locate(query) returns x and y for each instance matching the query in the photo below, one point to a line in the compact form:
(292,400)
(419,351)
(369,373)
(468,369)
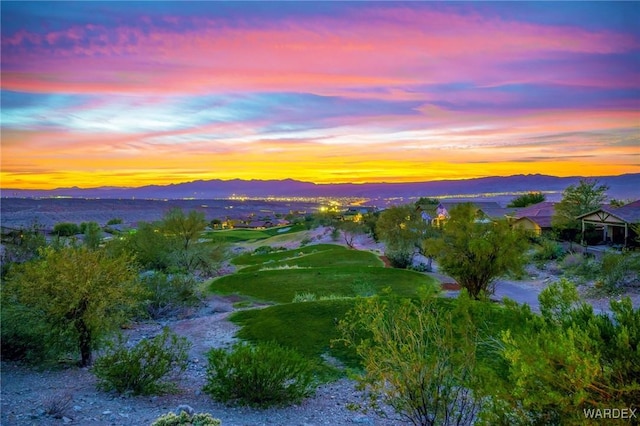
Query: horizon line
(317,183)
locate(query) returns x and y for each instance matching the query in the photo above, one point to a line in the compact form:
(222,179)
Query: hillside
(622,187)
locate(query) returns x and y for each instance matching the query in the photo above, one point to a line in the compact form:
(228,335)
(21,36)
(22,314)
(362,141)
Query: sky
(136,93)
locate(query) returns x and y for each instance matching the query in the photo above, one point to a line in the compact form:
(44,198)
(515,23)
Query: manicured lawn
(309,327)
(328,258)
(282,285)
(242,235)
(256,259)
(238,235)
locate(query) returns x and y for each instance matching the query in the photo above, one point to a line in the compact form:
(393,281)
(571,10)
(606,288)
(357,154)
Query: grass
(334,258)
(246,235)
(257,259)
(282,285)
(309,327)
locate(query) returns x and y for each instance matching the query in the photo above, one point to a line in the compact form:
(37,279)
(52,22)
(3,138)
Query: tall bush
(570,359)
(417,358)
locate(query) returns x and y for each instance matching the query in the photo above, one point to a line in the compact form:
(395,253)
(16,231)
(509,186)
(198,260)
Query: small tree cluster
(527,199)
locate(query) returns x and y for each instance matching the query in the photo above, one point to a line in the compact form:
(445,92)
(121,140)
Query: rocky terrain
(69,395)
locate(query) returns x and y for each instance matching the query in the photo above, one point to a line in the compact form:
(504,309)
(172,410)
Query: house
(486,210)
(616,223)
(535,218)
(356,214)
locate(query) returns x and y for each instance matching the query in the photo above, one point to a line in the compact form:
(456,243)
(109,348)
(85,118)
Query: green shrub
(114,221)
(548,250)
(139,369)
(417,358)
(305,241)
(570,359)
(262,375)
(26,336)
(399,258)
(66,229)
(618,270)
(168,294)
(186,419)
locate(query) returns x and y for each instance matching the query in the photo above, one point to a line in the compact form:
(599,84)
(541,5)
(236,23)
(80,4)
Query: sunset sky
(137,93)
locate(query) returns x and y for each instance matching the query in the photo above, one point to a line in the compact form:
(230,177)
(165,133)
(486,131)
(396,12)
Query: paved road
(520,292)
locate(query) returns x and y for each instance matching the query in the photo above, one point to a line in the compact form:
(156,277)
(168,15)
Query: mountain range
(620,187)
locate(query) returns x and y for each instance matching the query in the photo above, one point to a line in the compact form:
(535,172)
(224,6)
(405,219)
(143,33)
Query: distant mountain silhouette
(621,187)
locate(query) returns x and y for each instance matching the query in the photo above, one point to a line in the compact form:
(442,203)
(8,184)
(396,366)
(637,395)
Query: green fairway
(309,327)
(256,259)
(332,258)
(244,235)
(282,285)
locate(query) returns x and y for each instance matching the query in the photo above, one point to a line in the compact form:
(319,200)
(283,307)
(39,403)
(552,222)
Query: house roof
(543,209)
(629,213)
(540,213)
(478,204)
(496,212)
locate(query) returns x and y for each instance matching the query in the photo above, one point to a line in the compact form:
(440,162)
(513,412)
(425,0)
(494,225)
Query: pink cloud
(382,47)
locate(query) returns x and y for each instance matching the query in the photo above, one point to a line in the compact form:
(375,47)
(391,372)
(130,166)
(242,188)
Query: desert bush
(547,250)
(399,258)
(569,359)
(263,375)
(57,405)
(417,358)
(572,261)
(421,267)
(305,241)
(139,369)
(263,250)
(186,419)
(618,270)
(66,229)
(168,294)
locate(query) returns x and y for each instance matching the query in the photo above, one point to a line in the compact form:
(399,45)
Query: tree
(82,294)
(476,253)
(151,248)
(527,199)
(350,229)
(186,228)
(403,230)
(92,234)
(66,229)
(577,200)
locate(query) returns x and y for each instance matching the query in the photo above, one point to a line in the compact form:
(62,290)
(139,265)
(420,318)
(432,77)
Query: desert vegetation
(328,309)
